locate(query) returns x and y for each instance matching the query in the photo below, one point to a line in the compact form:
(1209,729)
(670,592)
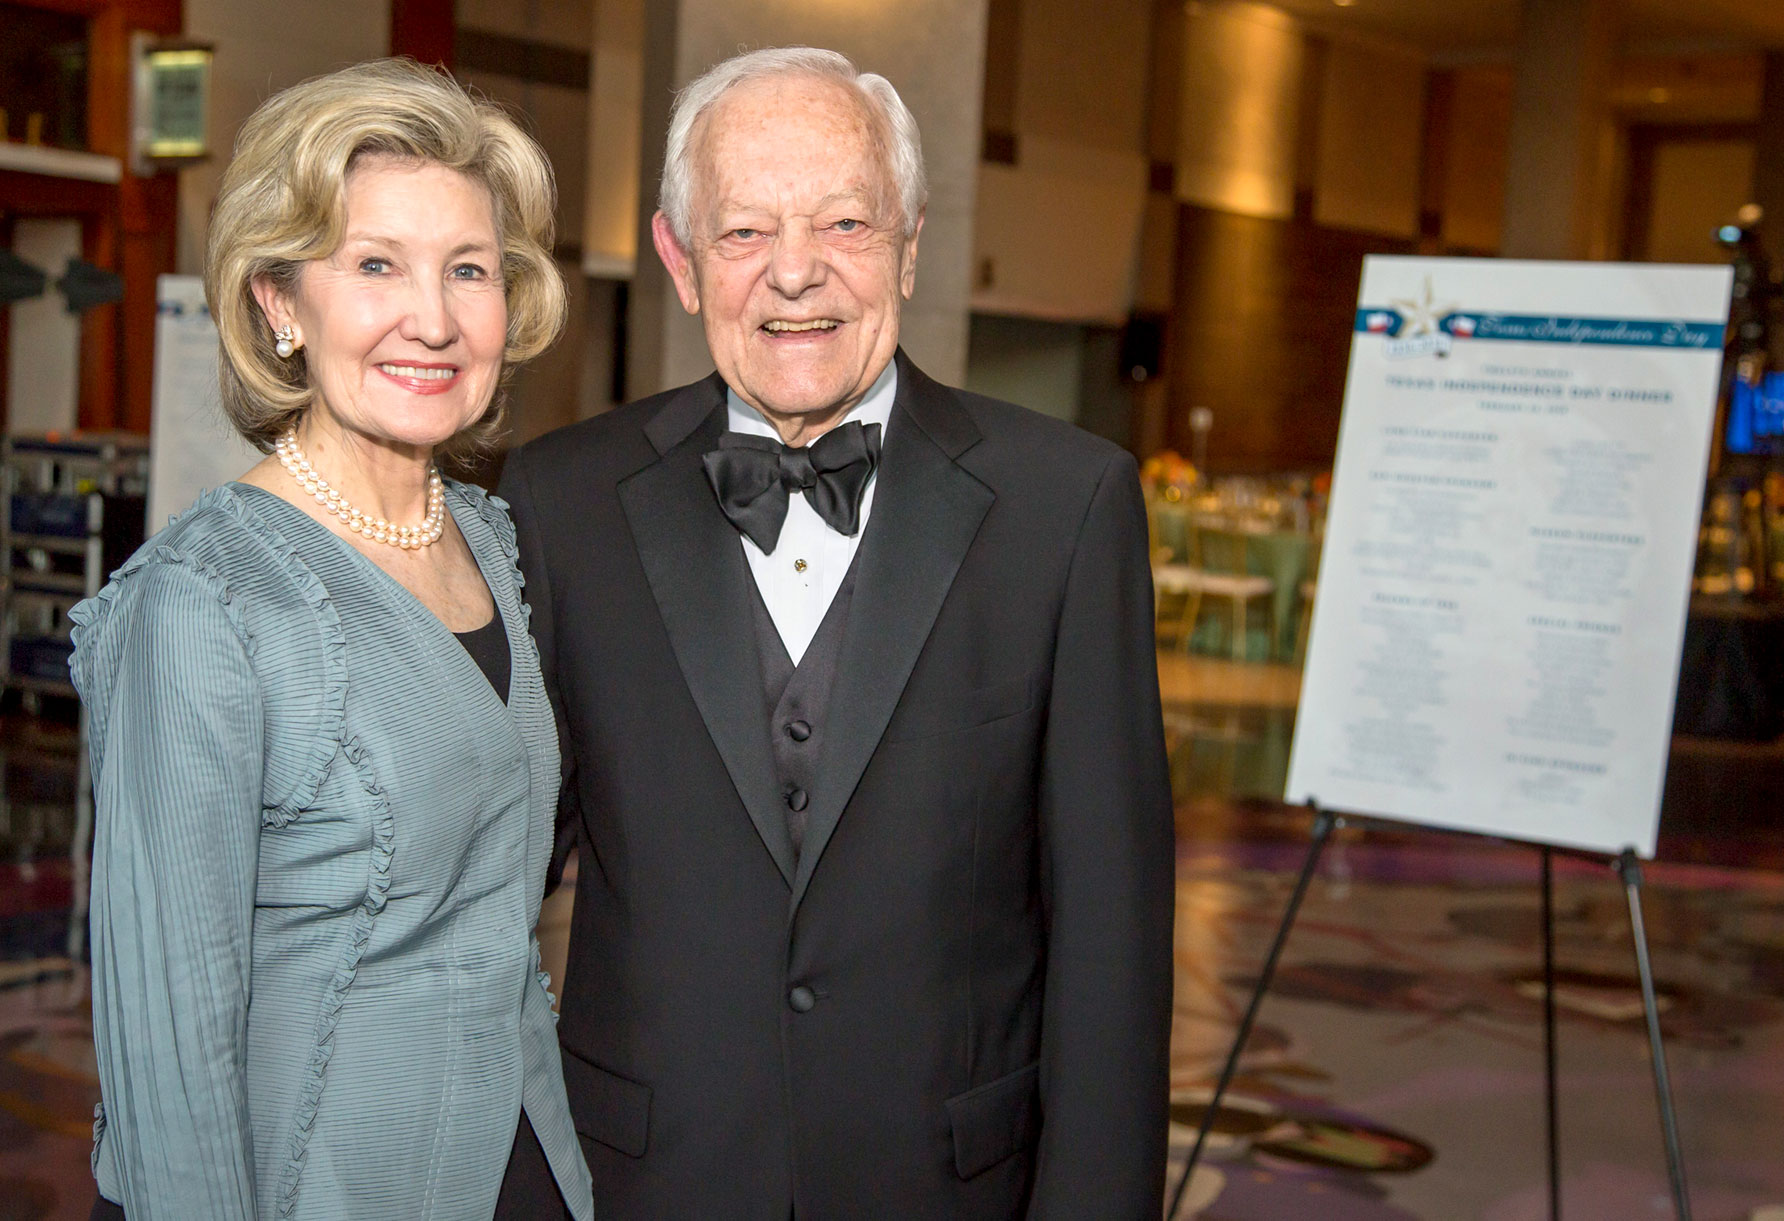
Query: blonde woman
(324,761)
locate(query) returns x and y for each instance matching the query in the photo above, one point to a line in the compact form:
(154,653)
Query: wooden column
(118,341)
(423,30)
(1768,163)
(127,229)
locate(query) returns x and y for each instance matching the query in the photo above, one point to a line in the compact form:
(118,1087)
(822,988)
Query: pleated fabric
(319,853)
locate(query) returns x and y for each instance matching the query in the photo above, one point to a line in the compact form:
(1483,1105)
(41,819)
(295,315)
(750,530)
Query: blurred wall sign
(191,445)
(171,120)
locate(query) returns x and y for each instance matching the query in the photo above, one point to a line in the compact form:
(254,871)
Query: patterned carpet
(1396,1071)
(47,1083)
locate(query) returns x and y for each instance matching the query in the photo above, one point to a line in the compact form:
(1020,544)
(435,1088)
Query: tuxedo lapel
(926,511)
(699,578)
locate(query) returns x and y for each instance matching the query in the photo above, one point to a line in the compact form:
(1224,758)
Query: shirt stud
(800,565)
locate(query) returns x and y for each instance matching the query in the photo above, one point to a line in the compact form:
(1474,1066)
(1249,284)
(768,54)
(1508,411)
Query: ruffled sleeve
(178,737)
(494,512)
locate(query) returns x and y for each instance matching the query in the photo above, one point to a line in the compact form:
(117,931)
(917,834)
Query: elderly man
(861,728)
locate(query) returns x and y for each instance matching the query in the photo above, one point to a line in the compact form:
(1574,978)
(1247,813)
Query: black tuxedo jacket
(957,1003)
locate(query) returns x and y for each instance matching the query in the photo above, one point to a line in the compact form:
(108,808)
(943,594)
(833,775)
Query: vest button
(801,999)
(799,731)
(797,799)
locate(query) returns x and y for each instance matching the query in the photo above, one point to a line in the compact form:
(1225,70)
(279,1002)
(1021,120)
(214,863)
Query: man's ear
(907,274)
(276,306)
(678,262)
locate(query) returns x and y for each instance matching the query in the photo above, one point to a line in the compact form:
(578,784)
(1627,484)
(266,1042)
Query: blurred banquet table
(1281,555)
(1731,671)
(1170,530)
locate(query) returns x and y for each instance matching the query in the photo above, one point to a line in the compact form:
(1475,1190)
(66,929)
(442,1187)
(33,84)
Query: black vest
(797,699)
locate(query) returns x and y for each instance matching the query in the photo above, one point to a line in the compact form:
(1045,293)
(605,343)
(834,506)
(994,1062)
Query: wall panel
(1262,335)
(1371,123)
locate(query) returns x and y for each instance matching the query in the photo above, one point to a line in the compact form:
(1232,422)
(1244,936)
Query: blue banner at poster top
(1392,323)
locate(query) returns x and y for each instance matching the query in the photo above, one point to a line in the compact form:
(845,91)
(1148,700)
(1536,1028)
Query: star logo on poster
(1424,326)
(1421,314)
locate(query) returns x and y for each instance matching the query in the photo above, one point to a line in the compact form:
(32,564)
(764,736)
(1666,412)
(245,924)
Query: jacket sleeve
(1108,845)
(516,489)
(175,861)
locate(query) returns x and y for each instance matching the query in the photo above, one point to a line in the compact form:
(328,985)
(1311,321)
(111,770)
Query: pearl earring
(286,345)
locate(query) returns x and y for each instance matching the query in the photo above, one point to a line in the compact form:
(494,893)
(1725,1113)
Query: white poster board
(191,446)
(1507,563)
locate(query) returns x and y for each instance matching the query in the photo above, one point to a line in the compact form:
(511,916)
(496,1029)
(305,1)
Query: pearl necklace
(409,538)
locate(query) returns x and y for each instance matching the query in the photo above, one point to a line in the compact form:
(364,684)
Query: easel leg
(1630,870)
(1323,822)
(1551,1091)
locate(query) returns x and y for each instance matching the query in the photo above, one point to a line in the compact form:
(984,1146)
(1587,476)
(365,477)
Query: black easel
(1551,1090)
(1629,869)
(1323,822)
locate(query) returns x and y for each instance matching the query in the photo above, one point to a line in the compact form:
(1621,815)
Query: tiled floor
(1396,1071)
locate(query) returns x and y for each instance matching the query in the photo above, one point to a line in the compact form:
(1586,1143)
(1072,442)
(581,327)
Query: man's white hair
(902,147)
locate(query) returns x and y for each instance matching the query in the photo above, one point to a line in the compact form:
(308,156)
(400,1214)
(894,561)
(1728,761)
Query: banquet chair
(1179,580)
(1169,532)
(1221,570)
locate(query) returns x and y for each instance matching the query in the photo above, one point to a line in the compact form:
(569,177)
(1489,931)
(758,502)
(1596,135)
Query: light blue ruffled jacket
(320,849)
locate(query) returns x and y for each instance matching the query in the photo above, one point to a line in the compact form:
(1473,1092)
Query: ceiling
(1466,29)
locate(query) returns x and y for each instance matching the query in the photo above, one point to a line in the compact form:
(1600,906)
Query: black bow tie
(754,476)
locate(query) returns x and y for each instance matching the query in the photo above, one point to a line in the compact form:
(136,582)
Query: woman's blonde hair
(282,204)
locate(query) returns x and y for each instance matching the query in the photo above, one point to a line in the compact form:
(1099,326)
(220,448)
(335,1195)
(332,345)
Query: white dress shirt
(800,577)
